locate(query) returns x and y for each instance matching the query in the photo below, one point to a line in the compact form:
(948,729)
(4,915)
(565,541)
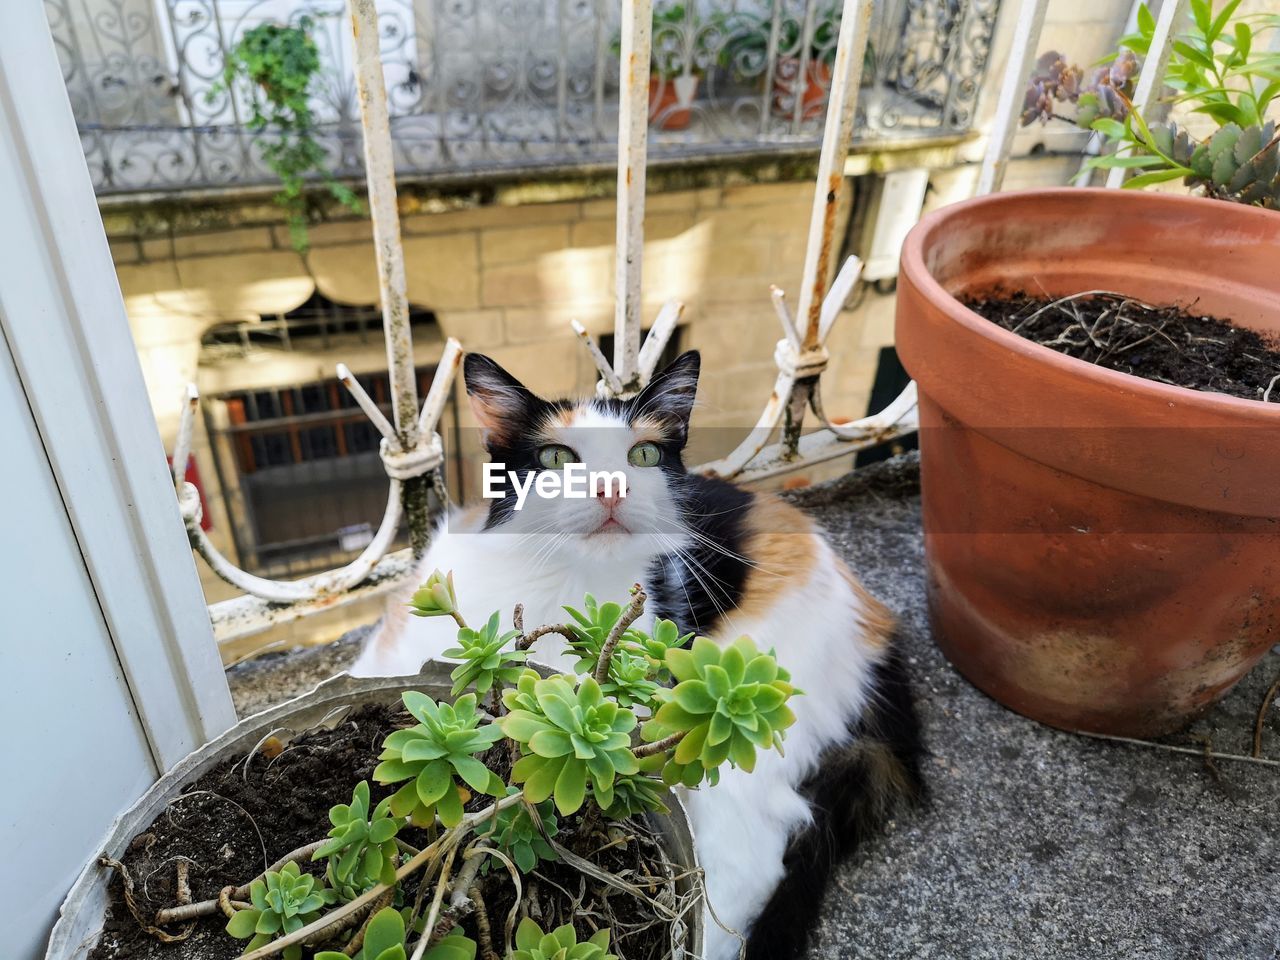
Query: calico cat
(719,560)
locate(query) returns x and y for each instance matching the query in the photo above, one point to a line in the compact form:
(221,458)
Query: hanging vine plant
(282,61)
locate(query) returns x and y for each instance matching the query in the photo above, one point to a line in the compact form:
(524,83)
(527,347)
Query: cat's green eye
(554,456)
(644,455)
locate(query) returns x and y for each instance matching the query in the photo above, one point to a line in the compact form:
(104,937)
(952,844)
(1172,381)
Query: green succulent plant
(571,739)
(436,597)
(1217,68)
(596,621)
(361,849)
(485,661)
(514,833)
(384,939)
(560,944)
(635,794)
(629,680)
(429,755)
(654,646)
(283,902)
(727,703)
(592,625)
(1235,163)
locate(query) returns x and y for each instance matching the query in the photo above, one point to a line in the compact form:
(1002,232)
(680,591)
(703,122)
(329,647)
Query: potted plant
(282,62)
(679,56)
(746,50)
(1100,406)
(340,825)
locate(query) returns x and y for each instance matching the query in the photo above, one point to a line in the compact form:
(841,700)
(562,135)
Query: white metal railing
(411,447)
(489,88)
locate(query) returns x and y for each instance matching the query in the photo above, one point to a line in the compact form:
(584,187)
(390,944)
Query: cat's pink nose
(609,494)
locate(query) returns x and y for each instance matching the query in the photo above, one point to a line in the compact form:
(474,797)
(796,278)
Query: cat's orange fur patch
(878,622)
(650,428)
(781,547)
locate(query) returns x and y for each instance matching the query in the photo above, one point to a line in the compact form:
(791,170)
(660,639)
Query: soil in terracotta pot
(240,814)
(1166,344)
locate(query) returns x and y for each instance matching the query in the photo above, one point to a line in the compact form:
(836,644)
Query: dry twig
(132,904)
(627,617)
(449,838)
(1262,717)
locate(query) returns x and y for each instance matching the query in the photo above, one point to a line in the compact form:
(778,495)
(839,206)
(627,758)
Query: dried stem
(207,908)
(1262,717)
(483,931)
(1174,748)
(449,838)
(132,904)
(224,902)
(432,914)
(466,878)
(628,617)
(184,884)
(658,746)
(1266,394)
(563,629)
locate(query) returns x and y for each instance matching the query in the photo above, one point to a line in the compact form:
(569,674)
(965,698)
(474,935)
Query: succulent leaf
(485,661)
(384,939)
(570,738)
(285,901)
(514,832)
(728,702)
(433,755)
(361,849)
(560,944)
(436,597)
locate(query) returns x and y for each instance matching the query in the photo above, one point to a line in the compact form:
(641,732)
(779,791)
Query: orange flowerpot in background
(813,97)
(665,110)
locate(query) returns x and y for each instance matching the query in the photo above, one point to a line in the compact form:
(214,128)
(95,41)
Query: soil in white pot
(250,811)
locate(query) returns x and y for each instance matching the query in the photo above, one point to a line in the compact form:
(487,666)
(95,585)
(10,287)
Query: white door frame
(63,317)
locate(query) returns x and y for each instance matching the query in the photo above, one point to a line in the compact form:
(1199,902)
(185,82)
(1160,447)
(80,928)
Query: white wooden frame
(63,317)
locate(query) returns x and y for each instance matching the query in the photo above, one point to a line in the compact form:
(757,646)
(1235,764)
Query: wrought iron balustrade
(487,86)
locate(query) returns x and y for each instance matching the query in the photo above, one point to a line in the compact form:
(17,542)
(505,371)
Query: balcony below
(481,90)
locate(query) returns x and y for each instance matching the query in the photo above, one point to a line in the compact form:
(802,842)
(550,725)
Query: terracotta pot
(813,98)
(1103,551)
(665,110)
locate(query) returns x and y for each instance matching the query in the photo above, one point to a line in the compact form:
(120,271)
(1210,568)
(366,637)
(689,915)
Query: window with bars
(298,464)
(317,324)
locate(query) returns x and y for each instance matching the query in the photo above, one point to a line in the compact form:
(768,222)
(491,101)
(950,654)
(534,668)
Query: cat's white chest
(495,571)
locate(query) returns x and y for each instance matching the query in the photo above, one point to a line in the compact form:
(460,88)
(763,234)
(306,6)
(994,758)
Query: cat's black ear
(669,396)
(503,405)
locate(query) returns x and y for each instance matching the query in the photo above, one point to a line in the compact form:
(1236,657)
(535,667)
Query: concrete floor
(1035,843)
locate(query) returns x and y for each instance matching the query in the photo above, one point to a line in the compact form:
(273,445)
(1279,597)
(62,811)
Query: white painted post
(1022,53)
(633,134)
(846,81)
(1151,79)
(1097,142)
(64,319)
(380,174)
